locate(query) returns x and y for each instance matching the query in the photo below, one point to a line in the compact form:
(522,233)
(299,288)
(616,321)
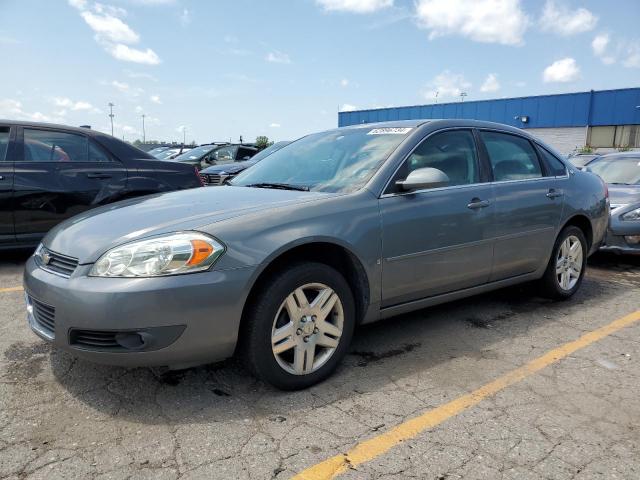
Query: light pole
(184,135)
(111,105)
(462,95)
(144,136)
(437,93)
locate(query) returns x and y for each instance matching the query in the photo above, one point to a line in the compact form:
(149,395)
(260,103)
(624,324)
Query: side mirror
(422,178)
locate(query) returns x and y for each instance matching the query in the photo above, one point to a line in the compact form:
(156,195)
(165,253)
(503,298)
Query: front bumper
(618,244)
(618,232)
(184,320)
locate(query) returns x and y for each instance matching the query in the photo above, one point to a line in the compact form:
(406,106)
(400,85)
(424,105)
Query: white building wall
(565,140)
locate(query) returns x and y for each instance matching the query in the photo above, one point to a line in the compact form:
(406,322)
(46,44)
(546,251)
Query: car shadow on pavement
(394,352)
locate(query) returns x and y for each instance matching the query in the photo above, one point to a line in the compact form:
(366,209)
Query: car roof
(631,153)
(441,123)
(57,126)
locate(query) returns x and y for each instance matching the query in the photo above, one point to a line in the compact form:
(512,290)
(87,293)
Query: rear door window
(52,146)
(556,167)
(4,142)
(97,154)
(511,157)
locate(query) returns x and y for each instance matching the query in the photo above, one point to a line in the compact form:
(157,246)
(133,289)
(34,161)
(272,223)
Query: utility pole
(111,105)
(144,136)
(437,93)
(184,135)
(462,95)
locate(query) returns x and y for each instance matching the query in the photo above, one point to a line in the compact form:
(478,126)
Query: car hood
(90,234)
(229,167)
(624,194)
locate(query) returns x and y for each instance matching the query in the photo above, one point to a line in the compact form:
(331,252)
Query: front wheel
(567,265)
(299,326)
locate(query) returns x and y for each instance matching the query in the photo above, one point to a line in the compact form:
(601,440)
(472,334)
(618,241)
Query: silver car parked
(337,229)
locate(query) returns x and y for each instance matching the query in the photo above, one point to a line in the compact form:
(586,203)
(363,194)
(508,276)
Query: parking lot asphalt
(575,417)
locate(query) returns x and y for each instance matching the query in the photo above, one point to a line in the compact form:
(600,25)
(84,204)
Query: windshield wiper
(280,186)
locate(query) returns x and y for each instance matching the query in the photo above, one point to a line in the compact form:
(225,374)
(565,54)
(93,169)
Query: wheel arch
(322,250)
(583,223)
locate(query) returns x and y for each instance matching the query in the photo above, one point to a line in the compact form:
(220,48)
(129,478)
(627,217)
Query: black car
(216,154)
(219,174)
(51,172)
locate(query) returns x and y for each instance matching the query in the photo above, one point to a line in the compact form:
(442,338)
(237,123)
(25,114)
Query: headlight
(171,254)
(632,215)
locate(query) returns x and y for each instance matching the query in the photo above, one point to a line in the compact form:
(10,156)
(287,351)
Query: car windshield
(167,153)
(621,170)
(195,153)
(582,160)
(156,151)
(335,161)
(268,151)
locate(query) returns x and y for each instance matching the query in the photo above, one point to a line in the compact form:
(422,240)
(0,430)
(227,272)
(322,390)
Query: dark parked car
(581,160)
(51,172)
(219,174)
(216,154)
(336,229)
(621,171)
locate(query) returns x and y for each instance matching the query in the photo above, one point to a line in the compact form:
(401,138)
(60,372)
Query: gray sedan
(621,171)
(339,228)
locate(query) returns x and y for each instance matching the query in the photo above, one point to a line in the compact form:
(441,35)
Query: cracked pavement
(577,419)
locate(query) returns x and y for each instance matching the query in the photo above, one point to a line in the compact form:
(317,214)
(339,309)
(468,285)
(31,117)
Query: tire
(277,347)
(554,283)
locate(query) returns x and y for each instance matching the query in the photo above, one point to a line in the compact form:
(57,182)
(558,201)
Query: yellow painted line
(376,446)
(11,289)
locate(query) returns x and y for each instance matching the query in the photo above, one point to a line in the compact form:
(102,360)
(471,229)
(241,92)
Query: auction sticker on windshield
(390,131)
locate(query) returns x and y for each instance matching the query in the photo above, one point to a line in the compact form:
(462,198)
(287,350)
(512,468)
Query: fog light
(632,239)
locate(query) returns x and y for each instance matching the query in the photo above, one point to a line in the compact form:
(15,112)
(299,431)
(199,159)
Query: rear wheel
(299,326)
(567,265)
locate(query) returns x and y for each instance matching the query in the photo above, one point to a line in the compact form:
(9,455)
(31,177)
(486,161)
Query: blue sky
(283,68)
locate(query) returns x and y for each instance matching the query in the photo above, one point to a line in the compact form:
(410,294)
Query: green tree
(262,141)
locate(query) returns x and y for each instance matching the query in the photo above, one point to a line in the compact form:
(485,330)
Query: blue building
(603,119)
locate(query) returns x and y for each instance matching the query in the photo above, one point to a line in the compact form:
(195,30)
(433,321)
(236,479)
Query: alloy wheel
(569,262)
(307,328)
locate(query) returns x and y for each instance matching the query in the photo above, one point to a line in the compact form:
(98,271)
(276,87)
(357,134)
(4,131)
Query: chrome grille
(56,262)
(211,178)
(44,315)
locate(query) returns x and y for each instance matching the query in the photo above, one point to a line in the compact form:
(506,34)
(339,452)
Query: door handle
(98,175)
(477,203)
(554,194)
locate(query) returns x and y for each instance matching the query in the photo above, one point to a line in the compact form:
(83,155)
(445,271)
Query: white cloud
(13,109)
(278,57)
(600,44)
(564,70)
(491,83)
(632,58)
(67,103)
(354,6)
(521,84)
(110,28)
(136,75)
(139,109)
(274,125)
(347,107)
(488,21)
(112,33)
(563,21)
(446,84)
(625,51)
(128,54)
(344,82)
(185,17)
(230,39)
(155,99)
(123,87)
